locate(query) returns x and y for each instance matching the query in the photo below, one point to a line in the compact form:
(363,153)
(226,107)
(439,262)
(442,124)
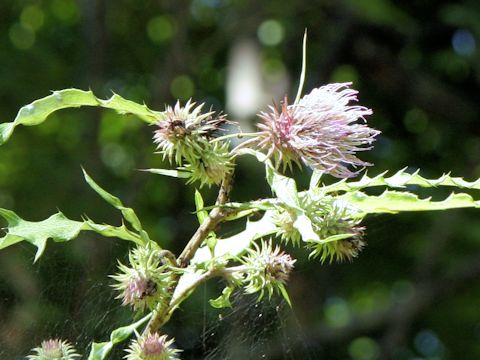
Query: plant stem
(164,310)
(214,218)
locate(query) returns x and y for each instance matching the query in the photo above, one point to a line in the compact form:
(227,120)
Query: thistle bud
(339,233)
(152,347)
(321,130)
(54,349)
(185,134)
(145,282)
(341,237)
(267,269)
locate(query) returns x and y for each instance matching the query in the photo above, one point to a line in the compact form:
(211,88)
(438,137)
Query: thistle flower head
(54,349)
(185,134)
(144,282)
(152,347)
(267,269)
(322,130)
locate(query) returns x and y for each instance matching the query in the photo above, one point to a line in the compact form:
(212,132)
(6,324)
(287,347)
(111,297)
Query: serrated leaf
(127,212)
(57,227)
(401,179)
(172,173)
(223,301)
(395,201)
(37,112)
(100,351)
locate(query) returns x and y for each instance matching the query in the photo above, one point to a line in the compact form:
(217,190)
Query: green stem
(236,135)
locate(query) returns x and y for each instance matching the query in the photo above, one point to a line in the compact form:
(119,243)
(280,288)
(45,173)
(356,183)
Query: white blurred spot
(244,81)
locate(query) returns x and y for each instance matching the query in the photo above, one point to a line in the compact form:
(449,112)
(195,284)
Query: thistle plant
(322,132)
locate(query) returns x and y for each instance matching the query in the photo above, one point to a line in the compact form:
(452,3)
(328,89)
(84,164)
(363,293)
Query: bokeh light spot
(160,29)
(271,32)
(427,343)
(416,121)
(65,10)
(21,36)
(363,348)
(463,42)
(182,87)
(337,313)
(32,16)
(345,73)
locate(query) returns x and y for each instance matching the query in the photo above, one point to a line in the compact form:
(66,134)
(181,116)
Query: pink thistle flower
(322,130)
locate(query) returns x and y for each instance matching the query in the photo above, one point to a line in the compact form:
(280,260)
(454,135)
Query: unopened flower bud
(145,282)
(185,135)
(267,269)
(152,347)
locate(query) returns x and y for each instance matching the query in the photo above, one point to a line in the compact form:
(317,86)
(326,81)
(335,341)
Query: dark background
(414,291)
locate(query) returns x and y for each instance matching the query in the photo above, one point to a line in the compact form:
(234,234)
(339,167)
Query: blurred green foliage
(413,293)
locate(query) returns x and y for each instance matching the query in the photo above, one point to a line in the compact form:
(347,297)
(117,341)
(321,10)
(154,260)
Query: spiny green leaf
(127,212)
(400,180)
(395,201)
(37,112)
(57,227)
(100,351)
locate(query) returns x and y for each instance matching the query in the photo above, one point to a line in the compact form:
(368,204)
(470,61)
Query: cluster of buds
(146,280)
(185,136)
(267,269)
(339,233)
(321,129)
(152,347)
(54,349)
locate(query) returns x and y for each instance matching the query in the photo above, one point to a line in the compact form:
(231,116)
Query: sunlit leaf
(57,227)
(100,351)
(201,213)
(395,201)
(127,212)
(172,173)
(37,112)
(223,300)
(401,179)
